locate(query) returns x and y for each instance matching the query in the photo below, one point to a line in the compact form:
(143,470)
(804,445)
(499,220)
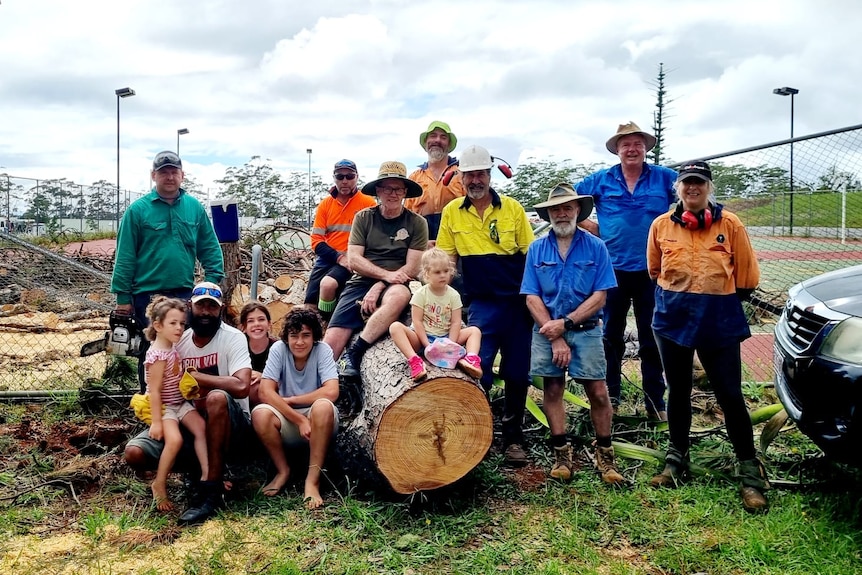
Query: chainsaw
(124,337)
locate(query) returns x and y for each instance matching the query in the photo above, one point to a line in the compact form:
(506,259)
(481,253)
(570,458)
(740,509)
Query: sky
(546,79)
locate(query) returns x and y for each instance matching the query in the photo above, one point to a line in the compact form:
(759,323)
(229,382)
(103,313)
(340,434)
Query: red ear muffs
(693,221)
(504,167)
(447,177)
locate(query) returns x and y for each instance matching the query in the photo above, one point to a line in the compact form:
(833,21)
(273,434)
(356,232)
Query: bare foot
(160,497)
(313,500)
(275,486)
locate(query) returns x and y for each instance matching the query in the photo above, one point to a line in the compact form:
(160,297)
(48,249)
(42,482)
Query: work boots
(754,484)
(606,463)
(675,469)
(563,466)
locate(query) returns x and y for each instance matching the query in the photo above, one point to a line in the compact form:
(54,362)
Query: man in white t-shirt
(217,355)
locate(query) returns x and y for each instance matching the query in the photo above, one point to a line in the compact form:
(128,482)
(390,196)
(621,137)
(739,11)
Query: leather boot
(606,463)
(563,466)
(675,469)
(754,485)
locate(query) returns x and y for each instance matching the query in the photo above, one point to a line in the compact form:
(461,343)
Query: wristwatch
(568,324)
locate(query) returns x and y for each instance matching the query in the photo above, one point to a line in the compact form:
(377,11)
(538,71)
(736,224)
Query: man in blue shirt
(565,280)
(628,197)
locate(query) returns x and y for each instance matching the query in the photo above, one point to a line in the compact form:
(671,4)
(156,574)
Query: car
(818,361)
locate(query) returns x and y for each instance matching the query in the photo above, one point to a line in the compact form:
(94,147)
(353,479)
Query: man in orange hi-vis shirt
(329,235)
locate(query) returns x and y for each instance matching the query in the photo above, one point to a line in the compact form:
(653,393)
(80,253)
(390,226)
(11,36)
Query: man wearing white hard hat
(489,234)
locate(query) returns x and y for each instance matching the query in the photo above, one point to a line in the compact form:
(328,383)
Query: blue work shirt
(625,218)
(564,284)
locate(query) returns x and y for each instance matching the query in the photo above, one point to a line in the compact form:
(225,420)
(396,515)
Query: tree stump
(414,437)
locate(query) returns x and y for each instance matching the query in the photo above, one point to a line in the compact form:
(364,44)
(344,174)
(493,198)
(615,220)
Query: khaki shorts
(178,411)
(290,435)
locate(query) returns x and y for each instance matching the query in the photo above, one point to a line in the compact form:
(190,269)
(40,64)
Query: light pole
(181,132)
(121,93)
(308,151)
(788,91)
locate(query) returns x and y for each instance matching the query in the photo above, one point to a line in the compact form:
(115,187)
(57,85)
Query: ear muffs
(449,174)
(504,167)
(701,220)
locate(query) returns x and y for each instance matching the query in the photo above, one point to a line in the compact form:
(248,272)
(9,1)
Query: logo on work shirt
(401,234)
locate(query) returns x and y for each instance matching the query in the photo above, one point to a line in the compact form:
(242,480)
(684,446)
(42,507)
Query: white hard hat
(475,158)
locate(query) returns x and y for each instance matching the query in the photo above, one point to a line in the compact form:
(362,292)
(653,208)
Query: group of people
(549,307)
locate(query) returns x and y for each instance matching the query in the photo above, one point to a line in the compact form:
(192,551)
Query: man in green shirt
(161,236)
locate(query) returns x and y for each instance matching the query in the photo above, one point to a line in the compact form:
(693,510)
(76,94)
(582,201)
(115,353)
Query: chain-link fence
(800,227)
(57,206)
(50,305)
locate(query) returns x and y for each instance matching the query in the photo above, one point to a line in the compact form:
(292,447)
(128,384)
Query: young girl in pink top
(163,371)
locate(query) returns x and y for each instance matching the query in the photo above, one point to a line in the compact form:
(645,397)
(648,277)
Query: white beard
(564,229)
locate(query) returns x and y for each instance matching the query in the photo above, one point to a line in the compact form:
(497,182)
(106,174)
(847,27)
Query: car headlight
(844,343)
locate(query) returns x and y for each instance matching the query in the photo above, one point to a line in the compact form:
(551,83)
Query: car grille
(803,326)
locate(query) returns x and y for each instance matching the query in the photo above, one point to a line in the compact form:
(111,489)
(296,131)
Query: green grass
(495,520)
(809,210)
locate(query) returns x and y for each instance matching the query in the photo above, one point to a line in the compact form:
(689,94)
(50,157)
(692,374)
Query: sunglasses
(340,177)
(216,293)
(495,235)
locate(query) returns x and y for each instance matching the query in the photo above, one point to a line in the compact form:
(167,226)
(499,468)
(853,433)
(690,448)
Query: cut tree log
(277,310)
(414,437)
(282,283)
(239,297)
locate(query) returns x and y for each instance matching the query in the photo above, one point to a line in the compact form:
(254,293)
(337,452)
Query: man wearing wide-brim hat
(566,278)
(439,176)
(628,197)
(384,249)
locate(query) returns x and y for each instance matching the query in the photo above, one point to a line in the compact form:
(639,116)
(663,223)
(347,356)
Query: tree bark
(414,437)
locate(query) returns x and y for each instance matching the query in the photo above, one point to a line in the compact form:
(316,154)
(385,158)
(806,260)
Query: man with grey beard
(566,278)
(439,176)
(489,234)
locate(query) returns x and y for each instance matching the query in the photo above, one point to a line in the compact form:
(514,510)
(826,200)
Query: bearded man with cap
(161,236)
(628,197)
(384,250)
(488,234)
(439,176)
(217,356)
(329,234)
(566,278)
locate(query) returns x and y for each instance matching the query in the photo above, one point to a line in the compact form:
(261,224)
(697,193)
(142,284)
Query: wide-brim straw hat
(560,194)
(396,170)
(627,130)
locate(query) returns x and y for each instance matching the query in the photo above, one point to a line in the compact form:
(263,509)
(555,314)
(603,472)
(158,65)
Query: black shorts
(241,441)
(348,313)
(338,272)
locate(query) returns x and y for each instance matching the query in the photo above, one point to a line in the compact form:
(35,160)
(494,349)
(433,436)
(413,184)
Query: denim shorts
(241,436)
(588,355)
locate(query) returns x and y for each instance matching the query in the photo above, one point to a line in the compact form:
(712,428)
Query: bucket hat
(437,124)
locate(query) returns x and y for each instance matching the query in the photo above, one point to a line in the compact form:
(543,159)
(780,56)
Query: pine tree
(659,115)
